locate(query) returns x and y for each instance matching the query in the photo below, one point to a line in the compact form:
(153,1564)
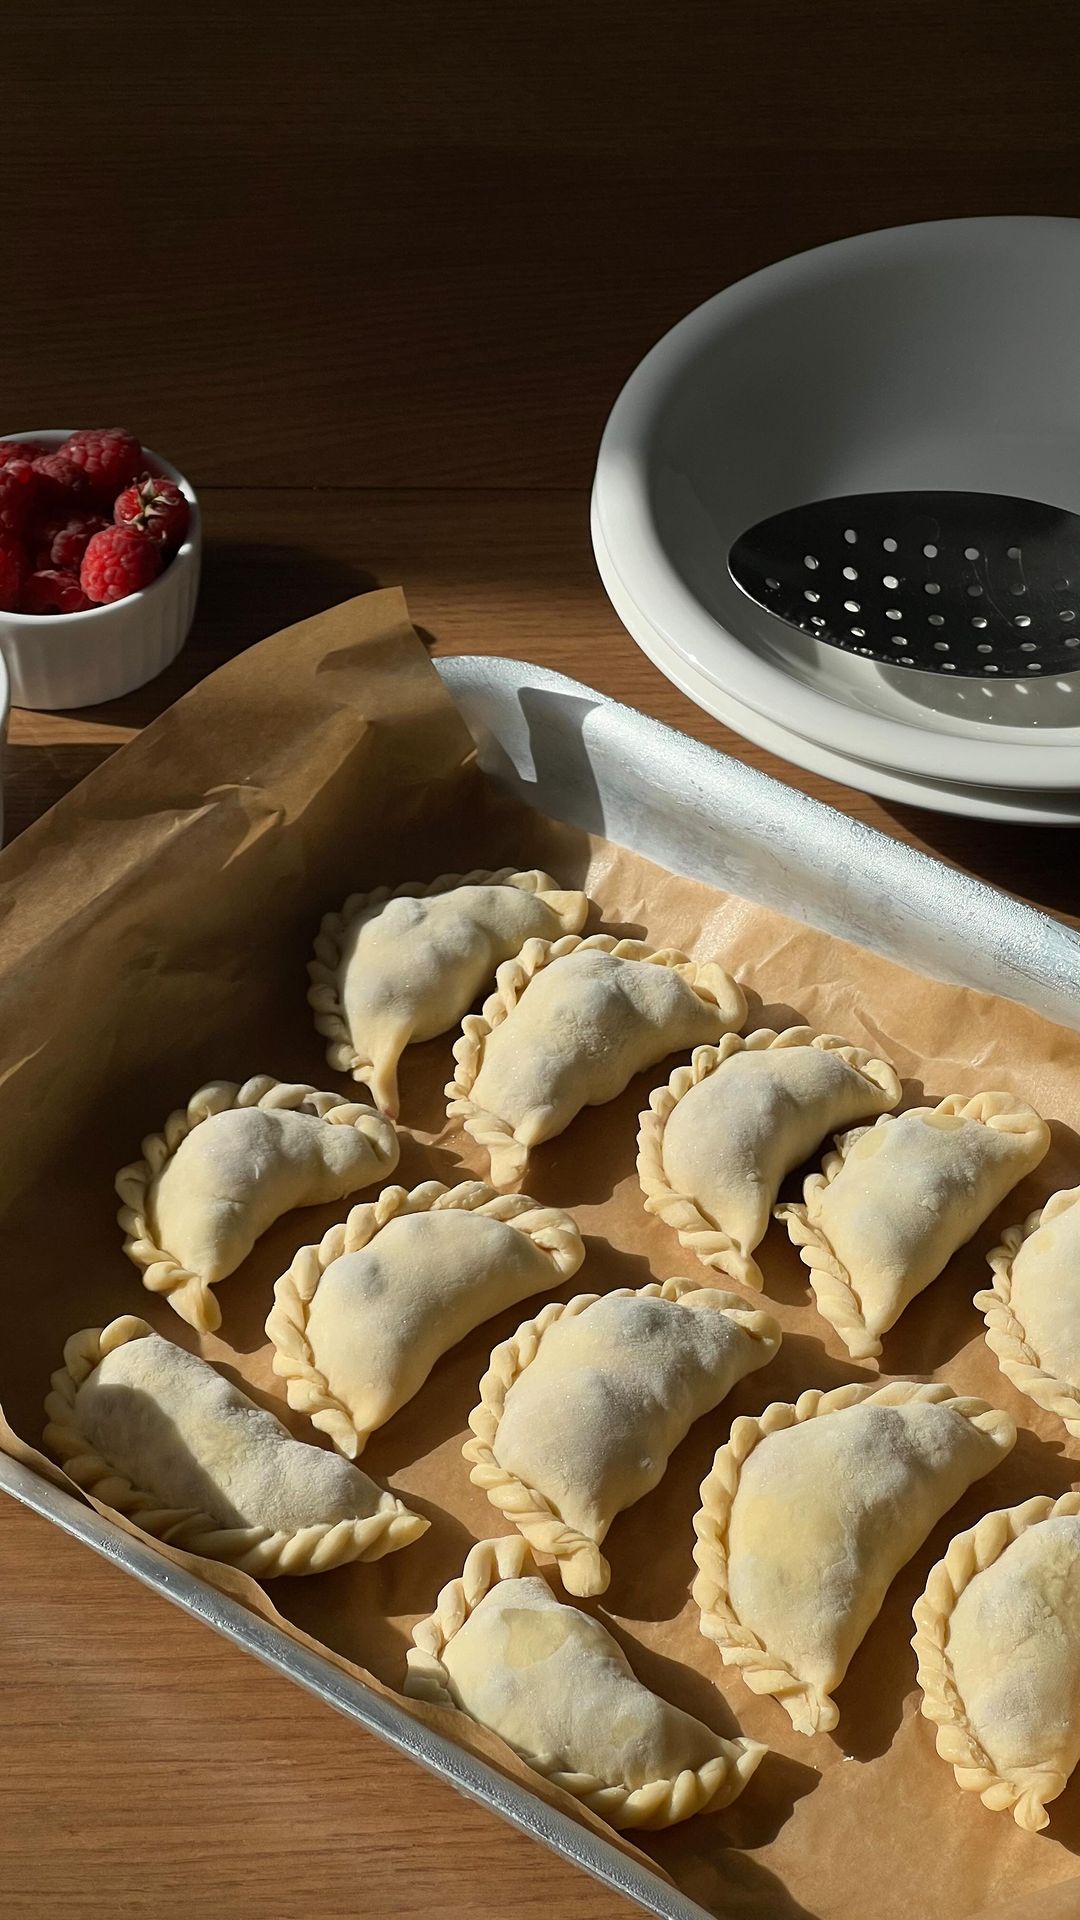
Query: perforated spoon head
(970,584)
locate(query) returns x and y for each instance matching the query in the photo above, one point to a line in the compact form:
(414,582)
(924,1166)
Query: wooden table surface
(372,276)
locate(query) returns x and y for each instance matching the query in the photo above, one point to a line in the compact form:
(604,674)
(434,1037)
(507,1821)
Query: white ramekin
(80,659)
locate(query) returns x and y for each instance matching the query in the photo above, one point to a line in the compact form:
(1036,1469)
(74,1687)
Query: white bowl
(80,659)
(944,355)
(1030,807)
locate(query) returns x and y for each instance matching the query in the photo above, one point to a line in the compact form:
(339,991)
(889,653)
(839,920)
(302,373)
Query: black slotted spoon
(970,584)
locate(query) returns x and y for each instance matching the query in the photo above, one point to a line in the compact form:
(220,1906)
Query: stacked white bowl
(938,357)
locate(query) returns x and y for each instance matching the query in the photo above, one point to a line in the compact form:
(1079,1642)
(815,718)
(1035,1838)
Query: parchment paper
(153,934)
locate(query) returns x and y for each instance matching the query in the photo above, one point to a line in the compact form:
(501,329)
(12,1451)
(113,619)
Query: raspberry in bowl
(100,548)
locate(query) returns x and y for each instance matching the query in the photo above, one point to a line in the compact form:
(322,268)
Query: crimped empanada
(717,1141)
(810,1512)
(1032,1311)
(359,1321)
(581,1410)
(405,963)
(555,1685)
(895,1201)
(229,1164)
(568,1026)
(158,1434)
(997,1634)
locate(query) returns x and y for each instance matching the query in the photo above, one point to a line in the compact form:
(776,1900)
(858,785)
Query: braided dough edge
(255,1550)
(1022,1790)
(324,994)
(660,1803)
(833,1288)
(189,1293)
(508,1156)
(1005,1334)
(809,1710)
(582,1567)
(835,1293)
(696,1230)
(553,1231)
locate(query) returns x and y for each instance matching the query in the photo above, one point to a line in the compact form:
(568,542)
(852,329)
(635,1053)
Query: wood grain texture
(152,1770)
(372,275)
(424,244)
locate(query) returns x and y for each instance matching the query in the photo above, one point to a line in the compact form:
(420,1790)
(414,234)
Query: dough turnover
(555,1685)
(997,1634)
(581,1410)
(567,1027)
(1032,1310)
(227,1166)
(895,1201)
(717,1141)
(405,963)
(359,1321)
(160,1435)
(810,1512)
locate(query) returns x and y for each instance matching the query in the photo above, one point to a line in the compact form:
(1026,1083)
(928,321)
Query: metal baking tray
(594,764)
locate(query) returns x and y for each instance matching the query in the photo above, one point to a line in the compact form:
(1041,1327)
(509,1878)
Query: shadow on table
(36,777)
(248,591)
(251,589)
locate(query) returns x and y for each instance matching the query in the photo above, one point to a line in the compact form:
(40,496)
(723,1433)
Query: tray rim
(1045,951)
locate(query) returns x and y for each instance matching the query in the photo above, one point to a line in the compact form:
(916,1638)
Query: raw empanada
(997,1634)
(229,1164)
(554,1684)
(405,963)
(895,1201)
(157,1433)
(359,1321)
(582,1409)
(810,1512)
(1033,1309)
(718,1140)
(568,1026)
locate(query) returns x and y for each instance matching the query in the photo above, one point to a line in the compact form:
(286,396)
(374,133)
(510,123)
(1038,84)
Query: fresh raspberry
(60,483)
(117,562)
(18,495)
(12,571)
(62,540)
(20,450)
(52,591)
(109,457)
(155,507)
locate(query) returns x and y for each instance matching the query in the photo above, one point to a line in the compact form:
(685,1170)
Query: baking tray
(586,760)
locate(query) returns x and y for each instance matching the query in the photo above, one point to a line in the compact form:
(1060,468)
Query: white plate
(944,355)
(1038,808)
